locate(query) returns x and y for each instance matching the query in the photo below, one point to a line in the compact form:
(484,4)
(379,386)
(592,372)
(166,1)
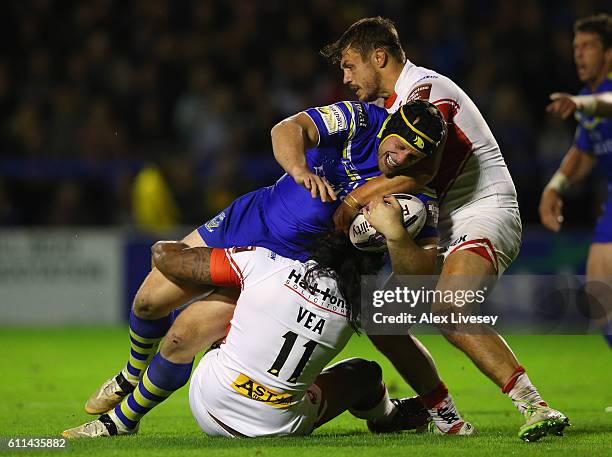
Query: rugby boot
(102,426)
(109,395)
(459,428)
(410,415)
(541,421)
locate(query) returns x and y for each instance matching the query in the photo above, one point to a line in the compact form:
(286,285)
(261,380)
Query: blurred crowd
(109,106)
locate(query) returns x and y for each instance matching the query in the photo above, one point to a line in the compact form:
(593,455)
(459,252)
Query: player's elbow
(284,127)
(275,130)
(295,128)
(157,252)
(162,254)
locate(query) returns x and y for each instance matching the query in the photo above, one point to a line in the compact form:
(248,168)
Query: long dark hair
(337,258)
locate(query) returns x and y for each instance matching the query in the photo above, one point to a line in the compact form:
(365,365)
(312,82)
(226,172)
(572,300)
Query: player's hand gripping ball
(366,238)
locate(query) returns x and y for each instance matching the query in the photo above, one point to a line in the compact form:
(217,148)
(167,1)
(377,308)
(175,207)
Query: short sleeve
(340,122)
(251,263)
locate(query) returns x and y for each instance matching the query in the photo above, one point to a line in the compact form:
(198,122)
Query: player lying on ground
(283,218)
(267,378)
(480,225)
(592,145)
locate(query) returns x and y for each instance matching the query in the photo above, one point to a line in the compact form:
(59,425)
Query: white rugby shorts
(493,233)
(220,411)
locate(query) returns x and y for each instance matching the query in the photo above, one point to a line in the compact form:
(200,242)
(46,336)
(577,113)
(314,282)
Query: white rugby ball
(366,238)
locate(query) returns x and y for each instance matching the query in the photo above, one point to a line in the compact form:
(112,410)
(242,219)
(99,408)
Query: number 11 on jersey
(283,355)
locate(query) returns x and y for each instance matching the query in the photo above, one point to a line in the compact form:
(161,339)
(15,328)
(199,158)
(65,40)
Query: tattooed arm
(182,264)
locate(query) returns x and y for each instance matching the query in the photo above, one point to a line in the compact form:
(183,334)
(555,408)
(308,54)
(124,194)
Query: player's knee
(178,341)
(175,340)
(368,371)
(147,308)
(372,372)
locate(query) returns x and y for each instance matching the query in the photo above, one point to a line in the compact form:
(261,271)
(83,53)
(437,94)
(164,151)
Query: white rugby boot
(462,428)
(541,421)
(102,426)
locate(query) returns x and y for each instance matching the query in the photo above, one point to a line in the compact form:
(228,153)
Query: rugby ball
(365,237)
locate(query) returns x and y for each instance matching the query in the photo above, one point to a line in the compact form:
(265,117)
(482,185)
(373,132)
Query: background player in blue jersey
(343,141)
(592,146)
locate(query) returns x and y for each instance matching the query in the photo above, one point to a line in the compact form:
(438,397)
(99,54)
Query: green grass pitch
(48,374)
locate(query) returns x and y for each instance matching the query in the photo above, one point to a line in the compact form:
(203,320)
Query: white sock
(381,413)
(446,416)
(524,393)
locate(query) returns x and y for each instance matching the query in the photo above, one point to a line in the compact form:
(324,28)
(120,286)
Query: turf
(48,374)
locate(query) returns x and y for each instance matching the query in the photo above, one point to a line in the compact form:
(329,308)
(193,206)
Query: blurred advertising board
(63,276)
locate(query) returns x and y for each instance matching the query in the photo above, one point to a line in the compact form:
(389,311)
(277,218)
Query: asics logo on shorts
(255,391)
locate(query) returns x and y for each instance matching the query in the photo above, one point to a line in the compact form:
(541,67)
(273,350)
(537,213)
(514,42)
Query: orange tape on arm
(221,271)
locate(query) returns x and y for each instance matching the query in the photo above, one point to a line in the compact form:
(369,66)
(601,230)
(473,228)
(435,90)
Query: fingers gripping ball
(366,238)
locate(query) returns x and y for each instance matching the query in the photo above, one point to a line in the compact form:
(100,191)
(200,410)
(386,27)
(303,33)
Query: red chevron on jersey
(447,107)
(420,92)
(390,101)
(456,152)
(472,167)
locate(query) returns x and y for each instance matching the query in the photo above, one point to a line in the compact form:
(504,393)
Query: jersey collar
(404,75)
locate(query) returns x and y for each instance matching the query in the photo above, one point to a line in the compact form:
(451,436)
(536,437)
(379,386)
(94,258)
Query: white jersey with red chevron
(478,202)
(472,167)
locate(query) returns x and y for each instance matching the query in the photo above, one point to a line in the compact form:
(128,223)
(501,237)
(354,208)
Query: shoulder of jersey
(360,113)
(421,88)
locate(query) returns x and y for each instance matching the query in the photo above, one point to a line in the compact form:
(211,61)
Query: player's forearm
(381,186)
(603,107)
(595,104)
(289,146)
(407,258)
(182,264)
(575,166)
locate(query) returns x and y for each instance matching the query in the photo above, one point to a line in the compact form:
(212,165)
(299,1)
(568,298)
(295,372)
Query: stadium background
(143,119)
(123,122)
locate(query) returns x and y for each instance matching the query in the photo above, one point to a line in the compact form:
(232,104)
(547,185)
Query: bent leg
(416,365)
(466,270)
(200,325)
(351,384)
(150,317)
(356,385)
(411,359)
(149,321)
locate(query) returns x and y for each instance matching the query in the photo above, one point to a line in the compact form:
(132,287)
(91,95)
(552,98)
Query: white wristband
(585,103)
(558,182)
